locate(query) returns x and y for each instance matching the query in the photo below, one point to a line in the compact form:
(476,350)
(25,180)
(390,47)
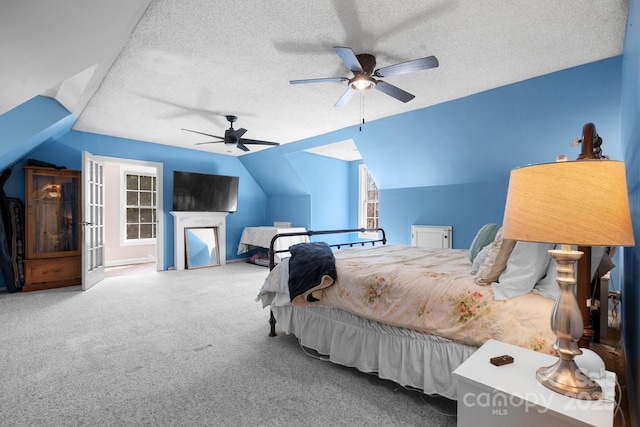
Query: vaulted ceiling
(146,69)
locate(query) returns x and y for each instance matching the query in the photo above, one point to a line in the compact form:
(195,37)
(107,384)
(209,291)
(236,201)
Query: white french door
(92,220)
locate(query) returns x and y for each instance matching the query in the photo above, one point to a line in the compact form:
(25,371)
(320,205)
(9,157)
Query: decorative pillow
(548,285)
(496,261)
(527,264)
(484,236)
(480,258)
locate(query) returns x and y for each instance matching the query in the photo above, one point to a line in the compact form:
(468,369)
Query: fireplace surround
(182,220)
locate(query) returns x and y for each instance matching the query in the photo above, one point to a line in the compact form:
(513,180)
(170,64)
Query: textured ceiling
(189,63)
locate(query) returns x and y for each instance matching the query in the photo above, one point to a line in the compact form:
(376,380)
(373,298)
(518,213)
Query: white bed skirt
(404,356)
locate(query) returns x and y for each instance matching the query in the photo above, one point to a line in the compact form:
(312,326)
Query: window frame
(139,171)
(363,201)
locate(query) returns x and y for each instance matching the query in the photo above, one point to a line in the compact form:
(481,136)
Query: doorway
(133,233)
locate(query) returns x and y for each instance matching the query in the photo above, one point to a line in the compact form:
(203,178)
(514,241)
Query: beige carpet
(180,348)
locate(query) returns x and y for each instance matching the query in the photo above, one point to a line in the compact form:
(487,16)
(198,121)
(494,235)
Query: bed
(413,315)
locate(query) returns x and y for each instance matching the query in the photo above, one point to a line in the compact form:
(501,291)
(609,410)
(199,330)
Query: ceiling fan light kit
(362,66)
(362,82)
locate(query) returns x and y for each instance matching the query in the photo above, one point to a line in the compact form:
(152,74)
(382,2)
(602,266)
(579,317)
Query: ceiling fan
(233,136)
(362,66)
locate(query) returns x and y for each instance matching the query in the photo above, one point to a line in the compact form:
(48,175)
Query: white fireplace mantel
(182,220)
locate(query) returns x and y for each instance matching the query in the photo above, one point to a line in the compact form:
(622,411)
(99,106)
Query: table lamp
(582,203)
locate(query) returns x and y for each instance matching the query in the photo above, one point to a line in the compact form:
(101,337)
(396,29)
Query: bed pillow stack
(495,261)
(511,268)
(484,237)
(527,264)
(514,268)
(547,286)
(480,259)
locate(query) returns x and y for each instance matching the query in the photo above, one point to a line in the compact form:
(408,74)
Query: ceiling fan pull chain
(361,109)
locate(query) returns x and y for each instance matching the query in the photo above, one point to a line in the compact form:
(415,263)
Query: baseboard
(130,261)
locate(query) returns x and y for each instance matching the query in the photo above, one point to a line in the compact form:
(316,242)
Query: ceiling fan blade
(346,97)
(321,80)
(407,67)
(205,134)
(257,142)
(237,134)
(241,146)
(210,142)
(394,91)
(349,58)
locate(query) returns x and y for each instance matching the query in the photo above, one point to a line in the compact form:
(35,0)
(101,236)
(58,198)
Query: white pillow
(548,285)
(484,237)
(496,260)
(527,264)
(480,259)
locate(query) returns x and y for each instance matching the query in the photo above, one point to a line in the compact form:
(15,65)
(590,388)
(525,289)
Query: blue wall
(444,165)
(328,182)
(68,149)
(25,127)
(293,209)
(630,124)
(465,207)
(449,164)
(482,137)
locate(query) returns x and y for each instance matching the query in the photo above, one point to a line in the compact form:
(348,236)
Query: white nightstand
(510,395)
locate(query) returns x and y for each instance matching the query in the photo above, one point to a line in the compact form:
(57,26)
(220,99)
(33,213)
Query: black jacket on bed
(312,267)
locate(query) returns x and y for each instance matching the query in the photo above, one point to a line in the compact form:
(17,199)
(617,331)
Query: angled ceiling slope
(61,49)
(188,64)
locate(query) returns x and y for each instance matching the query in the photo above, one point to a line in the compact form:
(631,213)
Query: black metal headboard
(379,231)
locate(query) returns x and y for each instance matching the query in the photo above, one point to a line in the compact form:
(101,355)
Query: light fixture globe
(362,82)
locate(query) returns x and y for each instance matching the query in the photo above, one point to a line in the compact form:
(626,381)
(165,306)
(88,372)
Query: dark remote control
(501,360)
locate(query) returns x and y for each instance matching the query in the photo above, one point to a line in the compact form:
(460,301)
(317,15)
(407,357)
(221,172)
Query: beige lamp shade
(581,203)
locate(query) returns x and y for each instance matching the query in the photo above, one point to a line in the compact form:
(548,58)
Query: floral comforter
(430,291)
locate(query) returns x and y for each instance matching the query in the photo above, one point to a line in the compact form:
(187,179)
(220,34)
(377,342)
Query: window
(368,201)
(139,225)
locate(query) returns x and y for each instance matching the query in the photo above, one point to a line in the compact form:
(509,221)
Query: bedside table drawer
(46,270)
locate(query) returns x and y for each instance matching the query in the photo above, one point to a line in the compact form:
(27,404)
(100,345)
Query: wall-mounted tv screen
(199,192)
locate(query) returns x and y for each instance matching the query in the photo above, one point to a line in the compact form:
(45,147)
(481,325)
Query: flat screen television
(199,192)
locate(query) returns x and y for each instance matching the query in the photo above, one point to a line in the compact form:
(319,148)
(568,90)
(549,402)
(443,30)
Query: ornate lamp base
(565,377)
